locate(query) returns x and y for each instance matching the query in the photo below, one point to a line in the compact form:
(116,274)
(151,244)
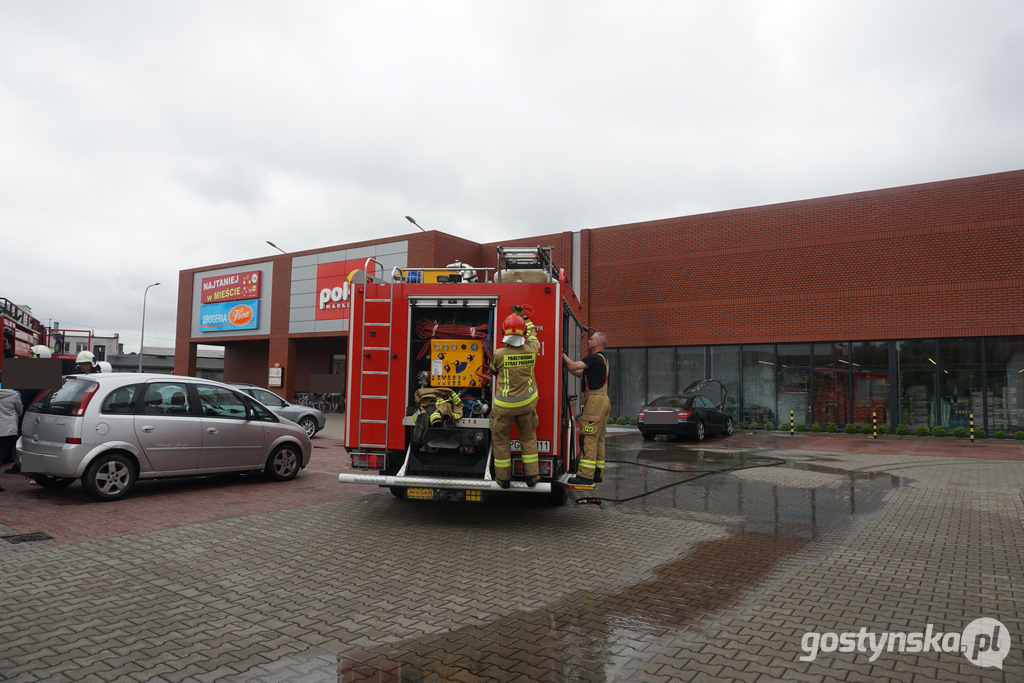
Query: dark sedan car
(697,412)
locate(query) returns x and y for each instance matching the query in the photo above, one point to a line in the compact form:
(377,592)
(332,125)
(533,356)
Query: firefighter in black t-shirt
(596,407)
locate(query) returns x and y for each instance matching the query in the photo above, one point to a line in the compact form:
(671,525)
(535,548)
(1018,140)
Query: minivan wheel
(109,477)
(309,424)
(48,482)
(283,463)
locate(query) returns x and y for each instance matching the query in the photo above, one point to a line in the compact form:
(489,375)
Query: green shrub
(901,430)
(741,426)
(883,429)
(867,429)
(753,425)
(632,421)
(800,427)
(979,433)
(832,427)
(1000,434)
(921,431)
(960,432)
(815,427)
(851,428)
(938,431)
(768,426)
(1019,436)
(611,420)
(622,421)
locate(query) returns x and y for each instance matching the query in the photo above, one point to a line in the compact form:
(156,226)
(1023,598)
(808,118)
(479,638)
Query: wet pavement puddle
(771,511)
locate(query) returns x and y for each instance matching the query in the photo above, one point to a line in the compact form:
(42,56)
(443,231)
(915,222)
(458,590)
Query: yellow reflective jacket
(512,369)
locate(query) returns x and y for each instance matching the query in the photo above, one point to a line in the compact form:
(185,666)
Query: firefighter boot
(577,480)
(597,475)
(503,483)
(532,481)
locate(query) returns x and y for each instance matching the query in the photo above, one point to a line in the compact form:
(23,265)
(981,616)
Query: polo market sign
(229,316)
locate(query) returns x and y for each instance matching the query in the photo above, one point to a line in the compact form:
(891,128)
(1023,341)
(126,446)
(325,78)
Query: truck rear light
(685,413)
(81,402)
(72,439)
(544,466)
(368,461)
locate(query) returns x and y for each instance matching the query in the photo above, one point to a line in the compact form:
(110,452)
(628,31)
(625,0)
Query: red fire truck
(418,328)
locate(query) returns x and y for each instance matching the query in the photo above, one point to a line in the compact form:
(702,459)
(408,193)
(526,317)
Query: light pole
(142,337)
(410,219)
(276,247)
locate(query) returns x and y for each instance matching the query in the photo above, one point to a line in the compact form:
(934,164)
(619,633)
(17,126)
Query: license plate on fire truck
(542,446)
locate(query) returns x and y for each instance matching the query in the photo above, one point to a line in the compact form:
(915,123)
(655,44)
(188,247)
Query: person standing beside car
(10,417)
(596,408)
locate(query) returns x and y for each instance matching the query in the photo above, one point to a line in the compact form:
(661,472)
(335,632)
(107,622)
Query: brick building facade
(779,300)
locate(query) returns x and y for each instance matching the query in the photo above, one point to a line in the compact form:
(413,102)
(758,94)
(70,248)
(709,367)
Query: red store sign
(233,287)
(333,288)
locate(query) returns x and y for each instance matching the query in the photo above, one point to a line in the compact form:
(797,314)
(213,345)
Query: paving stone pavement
(717,579)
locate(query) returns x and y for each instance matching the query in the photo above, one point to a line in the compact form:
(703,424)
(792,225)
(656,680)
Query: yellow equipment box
(456,362)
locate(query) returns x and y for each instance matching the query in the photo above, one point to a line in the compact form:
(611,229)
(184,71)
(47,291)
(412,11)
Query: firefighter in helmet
(596,407)
(515,397)
(40,351)
(85,362)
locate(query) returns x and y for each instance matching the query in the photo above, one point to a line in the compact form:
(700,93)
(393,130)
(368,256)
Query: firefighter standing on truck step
(596,407)
(515,397)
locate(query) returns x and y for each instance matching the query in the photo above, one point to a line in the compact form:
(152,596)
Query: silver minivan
(109,430)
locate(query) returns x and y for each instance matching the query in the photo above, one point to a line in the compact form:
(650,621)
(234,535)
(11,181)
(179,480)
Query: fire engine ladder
(376,327)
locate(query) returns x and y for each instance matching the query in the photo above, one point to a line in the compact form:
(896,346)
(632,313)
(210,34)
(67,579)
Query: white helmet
(40,351)
(105,366)
(85,357)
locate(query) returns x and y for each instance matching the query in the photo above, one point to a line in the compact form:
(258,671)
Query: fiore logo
(240,315)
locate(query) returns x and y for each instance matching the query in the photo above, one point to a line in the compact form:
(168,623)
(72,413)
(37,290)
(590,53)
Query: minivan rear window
(66,400)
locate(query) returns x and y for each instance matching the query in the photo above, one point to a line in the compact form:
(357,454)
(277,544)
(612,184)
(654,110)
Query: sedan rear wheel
(309,424)
(700,431)
(109,477)
(728,427)
(283,463)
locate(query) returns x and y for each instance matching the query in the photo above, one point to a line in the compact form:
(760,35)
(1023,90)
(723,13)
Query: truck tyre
(397,492)
(647,435)
(558,496)
(109,477)
(48,482)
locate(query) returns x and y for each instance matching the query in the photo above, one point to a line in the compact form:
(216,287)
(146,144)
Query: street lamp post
(276,247)
(410,219)
(142,337)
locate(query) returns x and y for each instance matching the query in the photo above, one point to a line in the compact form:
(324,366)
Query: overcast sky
(141,138)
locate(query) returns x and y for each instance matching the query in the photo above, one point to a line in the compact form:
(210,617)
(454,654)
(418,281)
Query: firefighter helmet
(85,357)
(514,329)
(40,351)
(104,366)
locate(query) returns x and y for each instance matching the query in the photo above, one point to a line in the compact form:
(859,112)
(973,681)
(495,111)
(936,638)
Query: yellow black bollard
(791,423)
(874,425)
(972,427)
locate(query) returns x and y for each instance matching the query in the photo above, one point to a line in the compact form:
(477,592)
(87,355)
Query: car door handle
(211,430)
(147,428)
